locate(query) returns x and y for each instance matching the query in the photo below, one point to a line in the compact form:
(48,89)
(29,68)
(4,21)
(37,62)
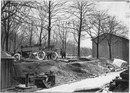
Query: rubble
(120,63)
(120,84)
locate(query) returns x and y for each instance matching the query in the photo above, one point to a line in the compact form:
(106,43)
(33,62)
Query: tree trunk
(98,41)
(110,54)
(40,38)
(15,43)
(8,28)
(30,41)
(62,44)
(79,43)
(79,34)
(65,45)
(4,42)
(31,34)
(49,26)
(40,42)
(7,42)
(2,38)
(10,47)
(97,50)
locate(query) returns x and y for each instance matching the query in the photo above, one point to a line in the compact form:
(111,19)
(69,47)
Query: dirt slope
(65,72)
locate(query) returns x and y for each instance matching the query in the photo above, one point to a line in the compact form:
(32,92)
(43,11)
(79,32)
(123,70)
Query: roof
(5,55)
(113,35)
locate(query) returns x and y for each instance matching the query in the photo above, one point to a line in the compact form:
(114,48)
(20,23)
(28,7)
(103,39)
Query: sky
(115,8)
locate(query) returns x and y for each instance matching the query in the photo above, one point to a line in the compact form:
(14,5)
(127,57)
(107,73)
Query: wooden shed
(6,80)
(119,47)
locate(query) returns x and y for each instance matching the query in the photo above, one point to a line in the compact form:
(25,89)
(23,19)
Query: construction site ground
(86,85)
(66,71)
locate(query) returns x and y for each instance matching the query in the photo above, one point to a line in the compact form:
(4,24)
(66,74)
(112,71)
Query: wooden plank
(9,81)
(3,79)
(0,76)
(6,74)
(3,74)
(9,73)
(1,83)
(13,73)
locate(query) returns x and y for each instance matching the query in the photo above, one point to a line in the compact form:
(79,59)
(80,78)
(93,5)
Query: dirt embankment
(65,72)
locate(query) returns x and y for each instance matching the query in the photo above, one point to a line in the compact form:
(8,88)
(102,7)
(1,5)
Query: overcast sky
(119,9)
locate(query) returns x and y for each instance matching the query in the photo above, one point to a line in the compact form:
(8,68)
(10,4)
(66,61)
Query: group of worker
(62,54)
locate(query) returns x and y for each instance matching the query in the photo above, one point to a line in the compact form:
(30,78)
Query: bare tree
(6,23)
(10,14)
(31,33)
(17,40)
(41,21)
(112,28)
(95,27)
(56,36)
(8,10)
(79,10)
(63,31)
(51,9)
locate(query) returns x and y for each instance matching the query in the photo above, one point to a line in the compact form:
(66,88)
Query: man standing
(63,53)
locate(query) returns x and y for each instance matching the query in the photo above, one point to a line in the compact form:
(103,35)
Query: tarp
(119,62)
(5,55)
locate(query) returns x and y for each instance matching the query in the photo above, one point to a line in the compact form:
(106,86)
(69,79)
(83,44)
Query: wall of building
(120,48)
(125,45)
(103,49)
(117,48)
(94,49)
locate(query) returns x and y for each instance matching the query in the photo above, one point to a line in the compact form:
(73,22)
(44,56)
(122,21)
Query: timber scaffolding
(7,74)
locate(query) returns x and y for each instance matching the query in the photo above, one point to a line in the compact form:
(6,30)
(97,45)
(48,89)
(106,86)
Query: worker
(63,53)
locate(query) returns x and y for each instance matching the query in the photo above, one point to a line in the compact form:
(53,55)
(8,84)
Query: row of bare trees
(34,19)
(41,22)
(85,18)
(106,25)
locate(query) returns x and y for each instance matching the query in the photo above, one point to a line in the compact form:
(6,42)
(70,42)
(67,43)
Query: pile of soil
(65,72)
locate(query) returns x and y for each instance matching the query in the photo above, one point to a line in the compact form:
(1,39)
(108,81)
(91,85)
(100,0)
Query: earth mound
(65,72)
